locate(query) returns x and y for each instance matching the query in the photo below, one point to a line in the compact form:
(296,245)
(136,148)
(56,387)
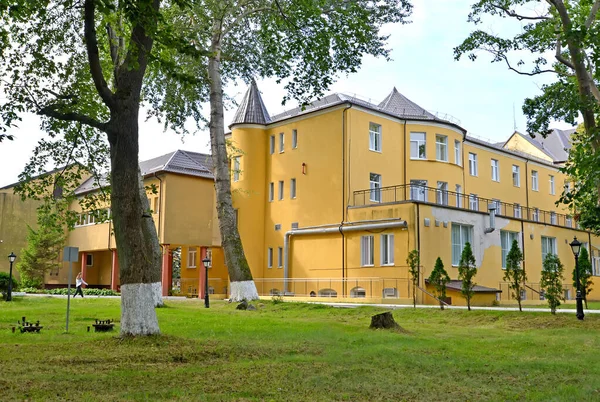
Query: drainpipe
(405,157)
(343,196)
(523,243)
(333,228)
(526,187)
(419,244)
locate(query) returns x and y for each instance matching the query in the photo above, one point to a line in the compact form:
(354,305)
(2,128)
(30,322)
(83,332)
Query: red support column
(201,274)
(166,269)
(114,273)
(171,266)
(84,267)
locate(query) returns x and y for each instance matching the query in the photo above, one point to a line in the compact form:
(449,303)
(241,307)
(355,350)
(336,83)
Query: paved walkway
(399,306)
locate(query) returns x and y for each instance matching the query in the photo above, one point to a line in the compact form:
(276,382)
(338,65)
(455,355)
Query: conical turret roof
(252,108)
(398,104)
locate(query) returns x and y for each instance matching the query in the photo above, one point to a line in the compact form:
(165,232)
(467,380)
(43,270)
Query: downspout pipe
(344,185)
(334,228)
(160,207)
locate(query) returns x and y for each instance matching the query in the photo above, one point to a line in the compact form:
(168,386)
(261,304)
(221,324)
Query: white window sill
(191,267)
(441,160)
(473,175)
(388,265)
(269,267)
(417,159)
(375,150)
(371,265)
(379,201)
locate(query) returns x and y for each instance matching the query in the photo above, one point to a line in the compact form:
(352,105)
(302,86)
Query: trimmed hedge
(63,291)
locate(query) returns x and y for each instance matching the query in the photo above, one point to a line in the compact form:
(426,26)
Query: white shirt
(79,281)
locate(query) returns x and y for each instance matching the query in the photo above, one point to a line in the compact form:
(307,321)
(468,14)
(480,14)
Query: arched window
(327,293)
(358,292)
(211,290)
(390,293)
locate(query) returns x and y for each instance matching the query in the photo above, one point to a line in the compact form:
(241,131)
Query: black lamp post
(206,262)
(11,258)
(576,247)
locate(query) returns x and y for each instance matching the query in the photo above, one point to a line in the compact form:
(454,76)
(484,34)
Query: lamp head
(12,257)
(206,262)
(575,246)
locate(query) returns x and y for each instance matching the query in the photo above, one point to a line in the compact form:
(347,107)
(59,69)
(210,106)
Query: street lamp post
(576,247)
(206,262)
(11,258)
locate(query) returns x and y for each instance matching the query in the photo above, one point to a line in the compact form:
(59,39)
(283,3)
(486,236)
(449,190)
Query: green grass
(298,352)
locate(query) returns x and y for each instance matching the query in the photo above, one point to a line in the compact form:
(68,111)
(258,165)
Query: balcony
(440,197)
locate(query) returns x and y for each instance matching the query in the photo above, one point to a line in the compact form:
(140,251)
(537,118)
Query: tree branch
(243,15)
(91,43)
(512,13)
(51,111)
(592,17)
(559,55)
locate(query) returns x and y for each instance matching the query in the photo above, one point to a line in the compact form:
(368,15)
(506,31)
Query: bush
(32,290)
(64,291)
(4,281)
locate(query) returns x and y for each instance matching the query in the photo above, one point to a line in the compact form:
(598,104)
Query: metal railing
(532,291)
(443,197)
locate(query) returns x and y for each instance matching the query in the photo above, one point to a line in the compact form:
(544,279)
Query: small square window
(294,139)
(89,260)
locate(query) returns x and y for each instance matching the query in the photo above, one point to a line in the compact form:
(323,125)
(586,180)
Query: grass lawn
(298,352)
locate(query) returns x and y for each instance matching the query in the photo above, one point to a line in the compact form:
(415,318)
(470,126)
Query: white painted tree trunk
(157,294)
(243,290)
(137,309)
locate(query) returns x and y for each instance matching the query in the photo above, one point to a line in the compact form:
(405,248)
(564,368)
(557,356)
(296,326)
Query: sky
(486,98)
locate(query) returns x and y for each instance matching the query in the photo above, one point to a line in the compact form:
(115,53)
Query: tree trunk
(383,321)
(441,304)
(135,233)
(242,285)
(469,303)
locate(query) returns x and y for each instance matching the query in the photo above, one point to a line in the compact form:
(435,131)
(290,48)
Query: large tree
(307,43)
(564,38)
(82,63)
(584,266)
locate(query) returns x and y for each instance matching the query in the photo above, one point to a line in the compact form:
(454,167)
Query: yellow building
(331,198)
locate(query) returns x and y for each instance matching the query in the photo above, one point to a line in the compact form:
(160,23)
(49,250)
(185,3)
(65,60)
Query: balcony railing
(443,197)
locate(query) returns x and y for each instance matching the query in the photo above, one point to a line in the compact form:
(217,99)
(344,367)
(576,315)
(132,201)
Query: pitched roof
(58,169)
(252,109)
(558,143)
(457,285)
(182,162)
(396,103)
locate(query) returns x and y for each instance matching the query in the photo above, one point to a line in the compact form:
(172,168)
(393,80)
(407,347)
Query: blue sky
(481,95)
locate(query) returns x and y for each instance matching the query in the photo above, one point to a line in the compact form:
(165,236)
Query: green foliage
(585,274)
(569,33)
(515,274)
(466,272)
(414,264)
(439,278)
(551,282)
(86,291)
(41,255)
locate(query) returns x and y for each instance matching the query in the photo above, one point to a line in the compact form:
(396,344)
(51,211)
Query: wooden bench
(103,325)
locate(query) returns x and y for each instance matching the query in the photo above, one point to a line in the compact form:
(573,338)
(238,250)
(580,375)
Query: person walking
(79,281)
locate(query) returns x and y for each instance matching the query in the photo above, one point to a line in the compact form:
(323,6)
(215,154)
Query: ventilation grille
(278,226)
(294,225)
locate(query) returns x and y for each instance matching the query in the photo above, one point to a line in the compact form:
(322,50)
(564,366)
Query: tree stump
(384,321)
(242,306)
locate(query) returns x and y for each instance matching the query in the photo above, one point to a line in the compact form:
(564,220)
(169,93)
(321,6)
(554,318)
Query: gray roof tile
(252,108)
(398,104)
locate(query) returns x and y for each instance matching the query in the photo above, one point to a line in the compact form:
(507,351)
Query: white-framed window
(523,294)
(473,202)
(418,146)
(89,260)
(387,249)
(498,206)
(236,168)
(517,211)
(281,190)
(534,180)
(495,170)
(367,244)
(192,257)
(567,187)
(294,139)
(292,188)
(472,164)
(548,246)
(418,190)
(516,175)
(567,294)
(569,221)
(596,266)
(552,186)
(270,257)
(209,257)
(441,147)
(459,196)
(553,218)
(461,235)
(457,153)
(441,194)
(358,292)
(375,186)
(374,137)
(390,293)
(155,207)
(281,142)
(536,215)
(272,144)
(506,241)
(271,191)
(279,257)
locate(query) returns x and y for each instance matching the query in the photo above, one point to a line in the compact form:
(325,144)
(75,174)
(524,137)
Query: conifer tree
(414,262)
(585,274)
(552,277)
(439,278)
(515,274)
(466,272)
